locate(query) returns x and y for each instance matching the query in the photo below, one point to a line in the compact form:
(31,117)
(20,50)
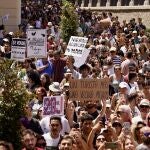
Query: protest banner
(36,43)
(53,105)
(76,46)
(18,49)
(85,90)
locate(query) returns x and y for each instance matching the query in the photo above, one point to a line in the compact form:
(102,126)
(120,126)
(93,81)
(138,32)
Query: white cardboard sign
(76,46)
(18,49)
(36,43)
(78,61)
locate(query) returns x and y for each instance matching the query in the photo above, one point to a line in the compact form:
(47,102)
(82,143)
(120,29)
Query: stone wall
(126,12)
(13,9)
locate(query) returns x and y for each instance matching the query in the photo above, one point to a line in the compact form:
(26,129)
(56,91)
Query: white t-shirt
(50,141)
(45,125)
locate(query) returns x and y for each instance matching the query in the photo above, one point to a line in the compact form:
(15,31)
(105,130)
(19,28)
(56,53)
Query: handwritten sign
(53,105)
(78,61)
(85,90)
(36,43)
(18,48)
(76,46)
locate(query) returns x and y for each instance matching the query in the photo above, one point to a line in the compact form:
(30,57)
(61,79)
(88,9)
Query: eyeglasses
(144,106)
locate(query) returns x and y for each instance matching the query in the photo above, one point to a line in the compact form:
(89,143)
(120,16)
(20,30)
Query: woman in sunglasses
(144,107)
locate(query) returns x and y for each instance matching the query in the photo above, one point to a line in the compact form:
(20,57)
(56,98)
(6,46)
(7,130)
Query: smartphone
(111,145)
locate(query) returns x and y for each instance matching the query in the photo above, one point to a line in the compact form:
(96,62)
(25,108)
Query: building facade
(124,9)
(10,14)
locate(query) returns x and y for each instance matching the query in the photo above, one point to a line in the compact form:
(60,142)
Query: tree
(13,97)
(69,21)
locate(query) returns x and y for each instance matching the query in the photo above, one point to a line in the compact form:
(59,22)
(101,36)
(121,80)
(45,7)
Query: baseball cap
(112,49)
(134,31)
(49,24)
(123,85)
(145,102)
(124,108)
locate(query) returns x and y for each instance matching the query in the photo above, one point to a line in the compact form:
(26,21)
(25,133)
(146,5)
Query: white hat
(31,27)
(54,87)
(145,102)
(49,24)
(125,108)
(66,84)
(68,72)
(134,31)
(11,33)
(112,49)
(123,85)
(5,40)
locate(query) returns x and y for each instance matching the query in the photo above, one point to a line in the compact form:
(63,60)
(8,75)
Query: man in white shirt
(52,138)
(45,125)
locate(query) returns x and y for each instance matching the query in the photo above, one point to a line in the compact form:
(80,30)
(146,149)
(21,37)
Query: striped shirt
(116,60)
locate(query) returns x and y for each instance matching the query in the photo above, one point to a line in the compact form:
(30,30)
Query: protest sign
(76,46)
(53,105)
(36,43)
(85,90)
(78,61)
(18,49)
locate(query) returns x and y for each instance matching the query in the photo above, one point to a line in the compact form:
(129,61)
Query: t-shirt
(51,142)
(48,70)
(45,125)
(142,147)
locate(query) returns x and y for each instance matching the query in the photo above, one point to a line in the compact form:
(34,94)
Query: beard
(146,140)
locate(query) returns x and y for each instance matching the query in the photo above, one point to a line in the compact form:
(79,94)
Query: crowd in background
(119,51)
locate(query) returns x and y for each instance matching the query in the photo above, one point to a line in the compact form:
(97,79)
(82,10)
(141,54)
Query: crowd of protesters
(119,51)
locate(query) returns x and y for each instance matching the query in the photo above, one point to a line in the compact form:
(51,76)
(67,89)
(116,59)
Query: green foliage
(13,97)
(69,21)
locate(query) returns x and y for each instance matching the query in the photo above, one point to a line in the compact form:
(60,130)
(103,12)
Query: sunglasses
(117,68)
(143,106)
(147,134)
(100,139)
(116,125)
(119,112)
(41,144)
